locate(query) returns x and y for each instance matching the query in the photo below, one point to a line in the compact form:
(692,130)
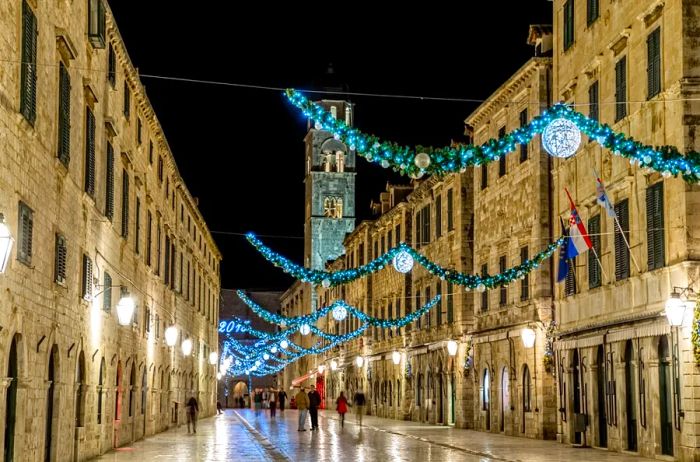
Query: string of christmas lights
(422,160)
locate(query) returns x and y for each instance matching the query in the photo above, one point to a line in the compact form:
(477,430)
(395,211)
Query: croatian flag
(602,197)
(579,241)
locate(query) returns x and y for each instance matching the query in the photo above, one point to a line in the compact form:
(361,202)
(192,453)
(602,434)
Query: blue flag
(563,256)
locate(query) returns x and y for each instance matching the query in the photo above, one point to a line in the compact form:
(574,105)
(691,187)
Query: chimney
(540,36)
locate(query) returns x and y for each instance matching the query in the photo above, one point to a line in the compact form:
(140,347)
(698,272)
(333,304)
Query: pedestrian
(258,399)
(273,403)
(218,408)
(314,403)
(282,397)
(341,407)
(265,397)
(359,403)
(302,402)
(192,410)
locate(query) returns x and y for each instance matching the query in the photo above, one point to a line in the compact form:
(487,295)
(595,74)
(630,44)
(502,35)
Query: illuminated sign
(227,327)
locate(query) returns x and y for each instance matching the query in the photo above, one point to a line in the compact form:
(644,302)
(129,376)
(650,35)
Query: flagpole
(600,263)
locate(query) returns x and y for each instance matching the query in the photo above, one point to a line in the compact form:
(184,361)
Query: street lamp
(6,242)
(675,309)
(218,376)
(334,365)
(213,357)
(675,312)
(125,310)
(396,357)
(171,336)
(284,344)
(321,368)
(452,347)
(528,335)
(359,361)
(186,347)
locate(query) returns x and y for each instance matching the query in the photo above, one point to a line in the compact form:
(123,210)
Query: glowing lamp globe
(6,242)
(422,160)
(186,347)
(218,376)
(403,262)
(273,350)
(321,368)
(334,365)
(254,368)
(257,363)
(528,335)
(359,361)
(396,357)
(452,347)
(675,310)
(284,344)
(561,138)
(340,313)
(213,357)
(238,362)
(304,329)
(171,336)
(125,310)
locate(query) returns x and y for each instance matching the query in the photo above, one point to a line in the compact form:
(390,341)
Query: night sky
(241,151)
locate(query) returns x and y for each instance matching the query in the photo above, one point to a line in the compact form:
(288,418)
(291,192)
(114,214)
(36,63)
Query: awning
(296,382)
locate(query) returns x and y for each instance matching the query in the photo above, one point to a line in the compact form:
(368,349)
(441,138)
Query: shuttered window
(112,67)
(158,245)
(137,228)
(60,260)
(622,254)
(89,152)
(450,211)
(86,287)
(26,233)
(654,63)
(425,233)
(502,165)
(96,23)
(485,293)
(29,71)
(655,227)
(570,282)
(125,204)
(150,152)
(593,11)
(523,147)
(149,236)
(109,186)
(503,290)
(127,100)
(484,176)
(63,115)
(621,88)
(160,169)
(107,295)
(568,24)
(593,101)
(438,216)
(525,282)
(594,274)
(167,260)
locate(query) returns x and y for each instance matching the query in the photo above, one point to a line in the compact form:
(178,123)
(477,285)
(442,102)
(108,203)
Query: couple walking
(308,403)
(342,406)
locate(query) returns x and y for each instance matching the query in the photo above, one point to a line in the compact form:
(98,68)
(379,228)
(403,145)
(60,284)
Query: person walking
(265,395)
(282,397)
(359,402)
(314,403)
(218,408)
(192,410)
(258,399)
(342,408)
(273,403)
(302,402)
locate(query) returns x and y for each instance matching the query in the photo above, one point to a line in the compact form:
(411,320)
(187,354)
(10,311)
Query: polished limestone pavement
(243,434)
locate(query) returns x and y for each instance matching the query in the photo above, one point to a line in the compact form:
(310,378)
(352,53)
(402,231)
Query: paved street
(242,435)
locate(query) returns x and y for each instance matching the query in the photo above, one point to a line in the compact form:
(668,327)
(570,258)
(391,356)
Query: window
(438,311)
(503,291)
(89,153)
(622,253)
(450,211)
(525,281)
(112,66)
(621,88)
(654,63)
(125,203)
(158,246)
(485,293)
(86,287)
(139,129)
(109,187)
(568,24)
(594,273)
(137,230)
(485,391)
(594,101)
(570,282)
(655,226)
(450,303)
(593,11)
(502,159)
(107,294)
(127,100)
(484,176)
(333,207)
(27,104)
(63,115)
(425,233)
(60,260)
(523,147)
(160,169)
(25,234)
(150,152)
(438,216)
(167,260)
(96,23)
(527,401)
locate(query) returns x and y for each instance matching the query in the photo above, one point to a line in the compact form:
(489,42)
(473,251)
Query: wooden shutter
(167,260)
(593,11)
(523,147)
(87,277)
(137,228)
(503,292)
(525,282)
(621,88)
(655,226)
(622,255)
(29,71)
(112,67)
(594,274)
(654,63)
(109,186)
(63,115)
(149,236)
(450,211)
(593,100)
(125,203)
(568,24)
(89,152)
(60,262)
(127,99)
(570,282)
(107,295)
(26,225)
(438,216)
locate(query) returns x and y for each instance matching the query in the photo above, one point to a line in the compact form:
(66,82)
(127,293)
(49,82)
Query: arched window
(527,403)
(340,161)
(100,383)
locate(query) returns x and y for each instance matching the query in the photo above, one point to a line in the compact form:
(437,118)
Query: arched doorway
(527,397)
(240,391)
(630,393)
(665,397)
(11,402)
(440,402)
(576,390)
(486,398)
(453,400)
(50,406)
(505,397)
(118,393)
(600,382)
(132,389)
(79,391)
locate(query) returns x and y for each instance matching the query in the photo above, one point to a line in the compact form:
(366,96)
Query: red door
(321,389)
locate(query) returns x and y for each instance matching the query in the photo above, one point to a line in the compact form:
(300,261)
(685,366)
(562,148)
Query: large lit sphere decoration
(340,313)
(403,262)
(326,283)
(304,329)
(480,288)
(266,356)
(125,310)
(273,350)
(284,344)
(422,160)
(561,138)
(171,336)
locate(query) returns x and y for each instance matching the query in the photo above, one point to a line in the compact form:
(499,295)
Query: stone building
(98,211)
(628,381)
(513,394)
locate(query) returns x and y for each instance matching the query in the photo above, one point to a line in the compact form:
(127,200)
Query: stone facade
(616,361)
(94,201)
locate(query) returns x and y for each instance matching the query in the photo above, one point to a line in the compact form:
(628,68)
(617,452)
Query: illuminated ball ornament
(273,350)
(326,283)
(284,344)
(340,313)
(266,356)
(480,288)
(561,138)
(403,262)
(422,160)
(304,329)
